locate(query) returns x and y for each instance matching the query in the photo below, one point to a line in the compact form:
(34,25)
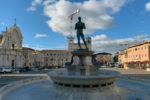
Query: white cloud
(42,47)
(25,45)
(40,35)
(147,6)
(99,37)
(101,43)
(31,9)
(34,4)
(97,14)
(47,2)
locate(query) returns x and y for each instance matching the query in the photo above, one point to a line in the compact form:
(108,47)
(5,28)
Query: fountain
(84,75)
(80,81)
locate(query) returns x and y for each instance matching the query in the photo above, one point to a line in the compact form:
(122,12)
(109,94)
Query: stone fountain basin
(125,89)
(103,78)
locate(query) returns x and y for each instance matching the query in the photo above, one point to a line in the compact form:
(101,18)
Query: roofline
(54,50)
(104,53)
(26,48)
(143,42)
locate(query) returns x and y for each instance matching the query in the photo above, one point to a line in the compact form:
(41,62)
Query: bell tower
(70,43)
(88,42)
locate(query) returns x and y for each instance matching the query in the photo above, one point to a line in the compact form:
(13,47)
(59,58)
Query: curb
(11,86)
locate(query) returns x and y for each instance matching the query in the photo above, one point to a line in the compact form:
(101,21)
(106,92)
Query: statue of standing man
(79,26)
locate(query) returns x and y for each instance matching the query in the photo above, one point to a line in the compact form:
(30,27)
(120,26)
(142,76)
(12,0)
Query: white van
(6,69)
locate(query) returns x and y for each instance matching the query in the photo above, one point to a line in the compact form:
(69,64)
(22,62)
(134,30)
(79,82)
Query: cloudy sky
(112,24)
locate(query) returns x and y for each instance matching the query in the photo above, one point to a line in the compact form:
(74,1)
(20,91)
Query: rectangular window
(13,46)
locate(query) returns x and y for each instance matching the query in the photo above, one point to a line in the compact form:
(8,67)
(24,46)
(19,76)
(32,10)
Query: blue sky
(117,22)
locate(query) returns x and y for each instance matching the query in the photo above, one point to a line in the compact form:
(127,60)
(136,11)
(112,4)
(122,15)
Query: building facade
(73,46)
(32,57)
(122,56)
(11,47)
(55,57)
(138,55)
(104,58)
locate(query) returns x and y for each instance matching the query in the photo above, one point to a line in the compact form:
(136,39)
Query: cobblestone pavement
(138,73)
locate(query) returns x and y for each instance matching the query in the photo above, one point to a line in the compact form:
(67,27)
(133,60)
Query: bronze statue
(79,26)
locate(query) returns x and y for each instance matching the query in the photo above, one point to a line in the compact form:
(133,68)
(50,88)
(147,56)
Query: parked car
(48,67)
(32,69)
(59,66)
(120,66)
(40,68)
(23,69)
(112,65)
(6,69)
(20,69)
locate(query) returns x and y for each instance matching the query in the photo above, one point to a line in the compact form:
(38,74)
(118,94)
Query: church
(11,47)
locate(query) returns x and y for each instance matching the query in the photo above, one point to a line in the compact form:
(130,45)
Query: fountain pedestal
(85,64)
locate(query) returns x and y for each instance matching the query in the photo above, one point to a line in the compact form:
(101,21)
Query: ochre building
(138,56)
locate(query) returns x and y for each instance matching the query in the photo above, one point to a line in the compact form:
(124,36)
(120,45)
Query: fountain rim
(108,74)
(79,81)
